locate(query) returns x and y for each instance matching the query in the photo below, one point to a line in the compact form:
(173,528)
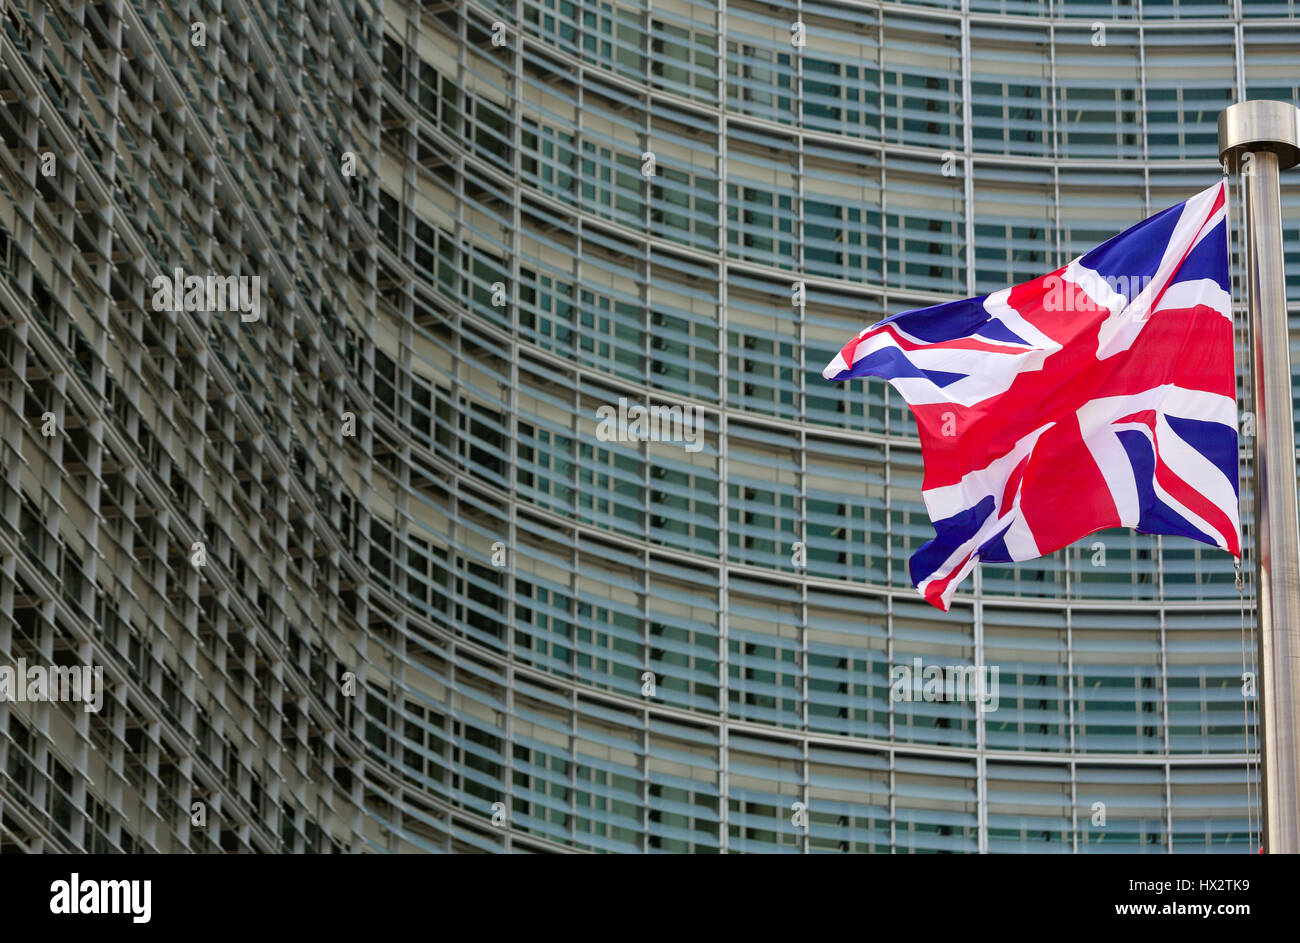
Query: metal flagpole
(1259,139)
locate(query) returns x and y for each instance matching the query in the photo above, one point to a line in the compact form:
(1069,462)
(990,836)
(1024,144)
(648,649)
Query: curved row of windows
(574,770)
(887,73)
(806,655)
(801,503)
(823,205)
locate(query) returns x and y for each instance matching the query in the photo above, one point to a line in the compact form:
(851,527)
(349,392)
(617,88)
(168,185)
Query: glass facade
(561,641)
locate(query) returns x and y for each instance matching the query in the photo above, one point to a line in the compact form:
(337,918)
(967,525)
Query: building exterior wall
(442,632)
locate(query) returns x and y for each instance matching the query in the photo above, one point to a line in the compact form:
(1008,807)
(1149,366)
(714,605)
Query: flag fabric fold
(1099,395)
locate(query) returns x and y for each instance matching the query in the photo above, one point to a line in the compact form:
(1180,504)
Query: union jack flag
(1099,395)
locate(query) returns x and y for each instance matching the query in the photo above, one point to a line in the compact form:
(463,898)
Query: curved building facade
(878,156)
(444,602)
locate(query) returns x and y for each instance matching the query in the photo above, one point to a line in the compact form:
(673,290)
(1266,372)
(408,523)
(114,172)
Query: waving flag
(1099,395)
